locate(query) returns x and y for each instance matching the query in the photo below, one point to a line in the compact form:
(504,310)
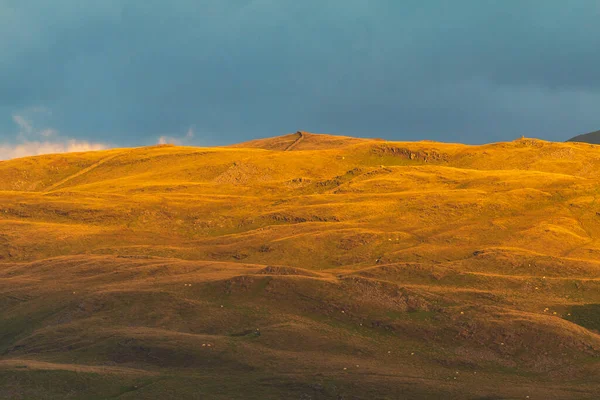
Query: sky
(77,75)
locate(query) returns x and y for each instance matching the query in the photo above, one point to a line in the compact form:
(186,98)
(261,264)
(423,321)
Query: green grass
(418,315)
(57,384)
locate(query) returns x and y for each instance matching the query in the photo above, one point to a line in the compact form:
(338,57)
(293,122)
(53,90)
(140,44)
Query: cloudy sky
(90,74)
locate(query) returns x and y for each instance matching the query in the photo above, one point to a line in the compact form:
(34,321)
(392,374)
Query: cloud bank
(30,141)
(470,70)
(36,148)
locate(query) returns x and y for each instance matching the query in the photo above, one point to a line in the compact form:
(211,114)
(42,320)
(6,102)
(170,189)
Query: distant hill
(592,137)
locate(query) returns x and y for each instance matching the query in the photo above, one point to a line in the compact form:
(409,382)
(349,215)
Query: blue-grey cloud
(129,72)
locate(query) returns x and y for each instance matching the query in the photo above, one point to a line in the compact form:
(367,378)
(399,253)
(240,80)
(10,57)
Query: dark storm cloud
(128,72)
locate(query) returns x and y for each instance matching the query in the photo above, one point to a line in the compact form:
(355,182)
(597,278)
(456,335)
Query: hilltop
(302,141)
(592,137)
(302,266)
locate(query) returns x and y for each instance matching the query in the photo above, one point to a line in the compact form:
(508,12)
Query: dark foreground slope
(356,269)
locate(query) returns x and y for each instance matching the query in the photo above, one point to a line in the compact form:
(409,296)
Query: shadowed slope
(204,320)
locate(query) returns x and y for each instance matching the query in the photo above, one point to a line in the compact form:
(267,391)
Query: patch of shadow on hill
(288,218)
(407,154)
(587,315)
(402,271)
(283,270)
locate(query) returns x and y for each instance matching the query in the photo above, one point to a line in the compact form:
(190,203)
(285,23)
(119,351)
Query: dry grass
(441,270)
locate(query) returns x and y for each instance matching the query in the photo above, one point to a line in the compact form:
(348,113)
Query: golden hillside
(303,265)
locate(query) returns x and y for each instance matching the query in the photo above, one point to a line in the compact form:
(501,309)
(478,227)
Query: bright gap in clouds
(30,141)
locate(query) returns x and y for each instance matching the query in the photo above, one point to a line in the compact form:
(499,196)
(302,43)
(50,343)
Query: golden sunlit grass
(441,270)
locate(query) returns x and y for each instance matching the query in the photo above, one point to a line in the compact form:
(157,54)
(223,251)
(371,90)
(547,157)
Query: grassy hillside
(304,266)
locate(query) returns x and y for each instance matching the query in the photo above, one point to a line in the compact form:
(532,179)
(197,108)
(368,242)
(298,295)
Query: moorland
(303,266)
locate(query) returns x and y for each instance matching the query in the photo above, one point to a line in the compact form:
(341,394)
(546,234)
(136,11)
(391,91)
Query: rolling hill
(303,266)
